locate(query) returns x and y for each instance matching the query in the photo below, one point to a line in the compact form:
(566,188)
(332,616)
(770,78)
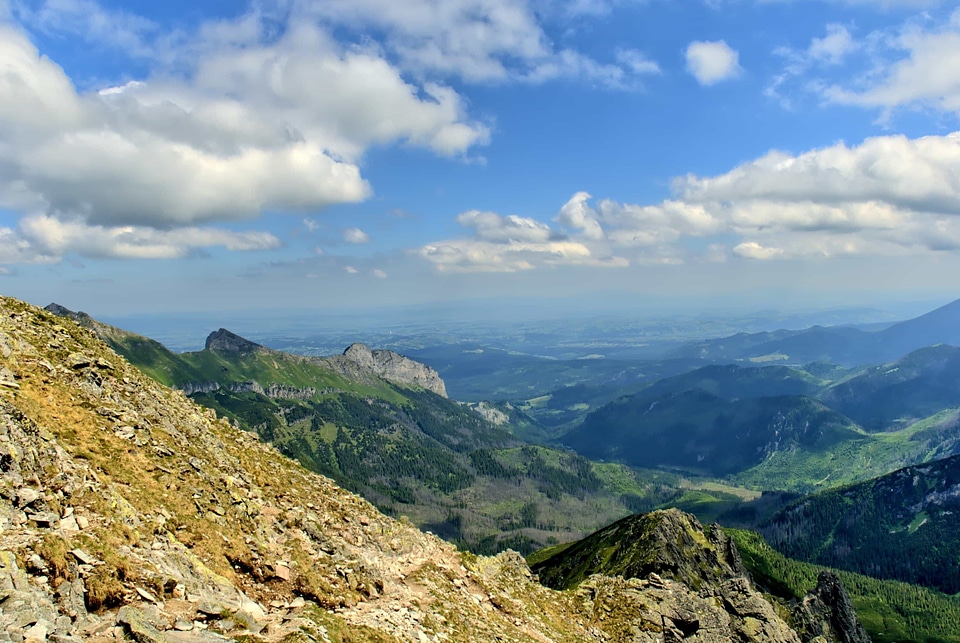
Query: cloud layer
(888,196)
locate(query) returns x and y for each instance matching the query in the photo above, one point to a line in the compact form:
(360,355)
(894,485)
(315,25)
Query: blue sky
(322,153)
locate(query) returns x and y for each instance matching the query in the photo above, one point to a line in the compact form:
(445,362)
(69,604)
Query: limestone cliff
(358,360)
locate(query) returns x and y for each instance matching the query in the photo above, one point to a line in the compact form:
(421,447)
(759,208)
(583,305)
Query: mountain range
(128,511)
(847,346)
(380,425)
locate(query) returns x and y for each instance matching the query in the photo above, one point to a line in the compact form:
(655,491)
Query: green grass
(866,456)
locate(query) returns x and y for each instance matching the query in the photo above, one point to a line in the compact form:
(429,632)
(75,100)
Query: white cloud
(921,174)
(920,67)
(831,50)
(833,47)
(753,250)
(712,62)
(478,40)
(46,239)
(577,214)
(350,270)
(887,196)
(469,255)
(89,21)
(255,125)
(355,235)
(489,226)
(379,274)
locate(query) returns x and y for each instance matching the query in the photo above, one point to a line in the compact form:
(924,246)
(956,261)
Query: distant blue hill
(838,344)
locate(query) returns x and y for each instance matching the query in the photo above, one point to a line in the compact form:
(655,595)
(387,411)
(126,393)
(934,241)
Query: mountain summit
(392,366)
(224,342)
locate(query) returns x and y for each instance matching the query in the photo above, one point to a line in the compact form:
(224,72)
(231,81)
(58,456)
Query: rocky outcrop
(654,610)
(827,614)
(670,543)
(226,343)
(665,565)
(279,391)
(358,360)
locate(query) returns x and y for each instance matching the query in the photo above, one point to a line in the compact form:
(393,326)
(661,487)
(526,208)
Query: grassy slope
(902,526)
(889,610)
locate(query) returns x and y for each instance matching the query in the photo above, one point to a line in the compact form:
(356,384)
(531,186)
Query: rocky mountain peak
(670,543)
(828,612)
(391,366)
(224,342)
(81,318)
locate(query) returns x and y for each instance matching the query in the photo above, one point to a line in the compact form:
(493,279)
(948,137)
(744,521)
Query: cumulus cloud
(712,62)
(577,214)
(256,124)
(887,196)
(489,226)
(356,236)
(46,239)
(913,65)
(378,273)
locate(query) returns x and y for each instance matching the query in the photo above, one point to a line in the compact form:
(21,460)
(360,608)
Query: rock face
(827,613)
(391,366)
(694,581)
(224,342)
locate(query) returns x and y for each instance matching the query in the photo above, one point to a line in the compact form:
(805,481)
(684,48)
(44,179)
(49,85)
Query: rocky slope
(128,511)
(665,549)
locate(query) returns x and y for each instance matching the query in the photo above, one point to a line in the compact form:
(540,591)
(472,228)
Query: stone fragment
(7,378)
(27,496)
(145,595)
(139,628)
(36,633)
(83,557)
(282,572)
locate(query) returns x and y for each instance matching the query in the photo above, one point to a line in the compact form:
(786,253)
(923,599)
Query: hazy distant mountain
(894,395)
(731,381)
(842,345)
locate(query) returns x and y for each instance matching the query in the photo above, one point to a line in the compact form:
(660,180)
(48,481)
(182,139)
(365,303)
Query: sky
(318,154)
